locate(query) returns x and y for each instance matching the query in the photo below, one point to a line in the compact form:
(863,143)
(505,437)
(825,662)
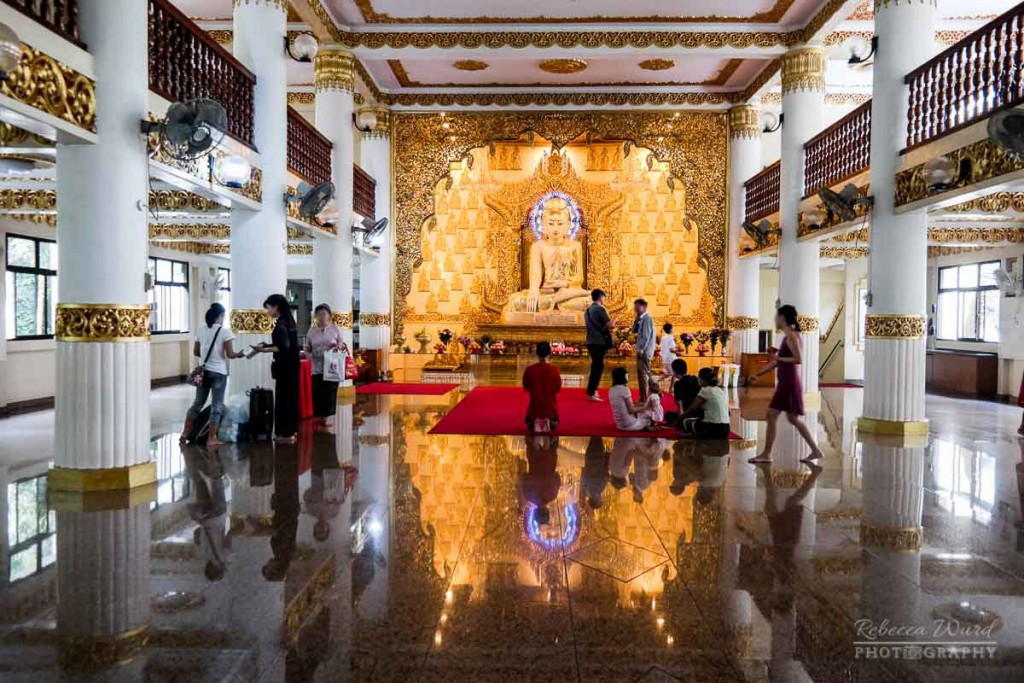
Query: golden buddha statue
(556,270)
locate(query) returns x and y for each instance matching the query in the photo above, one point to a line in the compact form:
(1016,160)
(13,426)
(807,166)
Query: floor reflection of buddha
(556,267)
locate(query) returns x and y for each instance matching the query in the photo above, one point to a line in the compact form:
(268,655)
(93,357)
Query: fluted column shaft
(375,271)
(332,259)
(894,352)
(259,238)
(803,106)
(102,324)
(744,274)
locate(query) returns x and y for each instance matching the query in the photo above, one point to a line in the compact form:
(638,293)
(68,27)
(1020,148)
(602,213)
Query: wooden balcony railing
(762,193)
(972,79)
(60,16)
(364,200)
(185,63)
(309,152)
(839,152)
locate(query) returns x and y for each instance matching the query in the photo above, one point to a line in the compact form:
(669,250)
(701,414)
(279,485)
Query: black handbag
(198,375)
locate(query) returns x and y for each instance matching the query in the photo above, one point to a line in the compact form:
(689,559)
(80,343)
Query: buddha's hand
(532,300)
(558,284)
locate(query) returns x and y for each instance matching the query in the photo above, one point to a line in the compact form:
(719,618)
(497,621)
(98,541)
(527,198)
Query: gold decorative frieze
(181,200)
(102,322)
(557,99)
(974,236)
(49,219)
(470,65)
(770,16)
(12,136)
(936,252)
(789,479)
(894,326)
(279,4)
(742,322)
(300,249)
(885,4)
(342,319)
(197,248)
(804,69)
(845,253)
(987,161)
(374,319)
(808,323)
(745,121)
(905,539)
(192,231)
(656,64)
(374,440)
(41,82)
(333,69)
(221,36)
(251,321)
(302,98)
(38,200)
(376,40)
(742,445)
(997,202)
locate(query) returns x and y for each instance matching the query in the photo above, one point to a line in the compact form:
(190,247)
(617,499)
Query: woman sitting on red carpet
(542,381)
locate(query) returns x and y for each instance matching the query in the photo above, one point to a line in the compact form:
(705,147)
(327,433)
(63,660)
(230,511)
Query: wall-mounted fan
(312,199)
(760,232)
(1006,129)
(844,203)
(368,230)
(190,129)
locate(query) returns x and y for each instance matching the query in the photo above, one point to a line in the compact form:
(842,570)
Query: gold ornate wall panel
(672,219)
(987,162)
(42,82)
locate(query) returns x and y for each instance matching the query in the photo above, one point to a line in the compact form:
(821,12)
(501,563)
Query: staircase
(832,343)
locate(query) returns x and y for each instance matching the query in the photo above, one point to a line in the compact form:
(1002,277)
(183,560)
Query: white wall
(853,354)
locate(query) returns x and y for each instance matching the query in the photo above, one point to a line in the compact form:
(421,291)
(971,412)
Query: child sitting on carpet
(653,408)
(543,382)
(713,402)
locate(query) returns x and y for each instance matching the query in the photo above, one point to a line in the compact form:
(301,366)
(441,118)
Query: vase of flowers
(446,336)
(497,347)
(625,349)
(702,350)
(723,338)
(713,338)
(687,340)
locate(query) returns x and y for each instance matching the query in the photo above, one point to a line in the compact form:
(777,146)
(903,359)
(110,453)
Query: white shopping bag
(334,366)
(334,485)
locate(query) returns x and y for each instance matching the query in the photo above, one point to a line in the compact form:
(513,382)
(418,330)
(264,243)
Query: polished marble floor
(377,552)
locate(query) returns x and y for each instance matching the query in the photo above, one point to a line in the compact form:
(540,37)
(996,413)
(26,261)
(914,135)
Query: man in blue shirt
(643,328)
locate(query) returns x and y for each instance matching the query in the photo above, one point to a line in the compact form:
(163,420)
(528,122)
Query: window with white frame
(169,297)
(968,303)
(31,300)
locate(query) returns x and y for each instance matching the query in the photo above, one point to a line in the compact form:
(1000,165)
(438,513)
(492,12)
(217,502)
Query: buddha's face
(555,220)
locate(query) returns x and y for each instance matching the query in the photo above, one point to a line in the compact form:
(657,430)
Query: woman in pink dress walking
(789,390)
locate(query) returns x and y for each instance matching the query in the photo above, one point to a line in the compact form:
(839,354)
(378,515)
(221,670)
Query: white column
(744,274)
(102,586)
(102,326)
(894,351)
(373,489)
(375,271)
(332,259)
(803,106)
(259,238)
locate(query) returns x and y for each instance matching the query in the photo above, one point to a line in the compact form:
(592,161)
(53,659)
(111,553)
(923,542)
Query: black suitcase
(261,414)
(200,427)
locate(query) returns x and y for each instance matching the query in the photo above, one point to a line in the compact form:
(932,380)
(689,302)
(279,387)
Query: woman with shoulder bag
(214,346)
(324,337)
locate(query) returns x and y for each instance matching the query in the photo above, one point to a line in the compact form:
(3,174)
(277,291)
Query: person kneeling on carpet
(628,416)
(542,381)
(713,403)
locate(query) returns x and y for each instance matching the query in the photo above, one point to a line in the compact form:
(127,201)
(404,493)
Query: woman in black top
(284,344)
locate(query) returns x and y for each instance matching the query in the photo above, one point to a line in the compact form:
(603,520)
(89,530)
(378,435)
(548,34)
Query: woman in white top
(713,401)
(213,347)
(628,416)
(667,350)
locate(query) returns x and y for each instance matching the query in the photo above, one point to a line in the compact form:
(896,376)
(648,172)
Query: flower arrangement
(497,347)
(702,350)
(623,334)
(687,340)
(473,347)
(439,347)
(724,335)
(560,349)
(702,337)
(713,337)
(625,348)
(445,336)
(466,341)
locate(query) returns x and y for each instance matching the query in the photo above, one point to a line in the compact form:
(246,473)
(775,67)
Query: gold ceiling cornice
(558,99)
(191,231)
(567,39)
(404,80)
(770,16)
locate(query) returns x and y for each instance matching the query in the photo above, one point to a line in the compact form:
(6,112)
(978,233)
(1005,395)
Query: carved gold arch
(695,145)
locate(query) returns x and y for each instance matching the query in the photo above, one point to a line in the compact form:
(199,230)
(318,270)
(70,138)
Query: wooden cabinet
(962,373)
(755,362)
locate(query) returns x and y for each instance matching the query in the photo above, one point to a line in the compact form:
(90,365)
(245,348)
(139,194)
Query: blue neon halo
(537,214)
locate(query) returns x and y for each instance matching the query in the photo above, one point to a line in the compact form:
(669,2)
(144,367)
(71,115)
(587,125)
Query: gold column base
(95,653)
(110,479)
(870,425)
(346,391)
(96,501)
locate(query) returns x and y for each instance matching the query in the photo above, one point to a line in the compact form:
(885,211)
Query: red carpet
(840,385)
(400,389)
(500,410)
